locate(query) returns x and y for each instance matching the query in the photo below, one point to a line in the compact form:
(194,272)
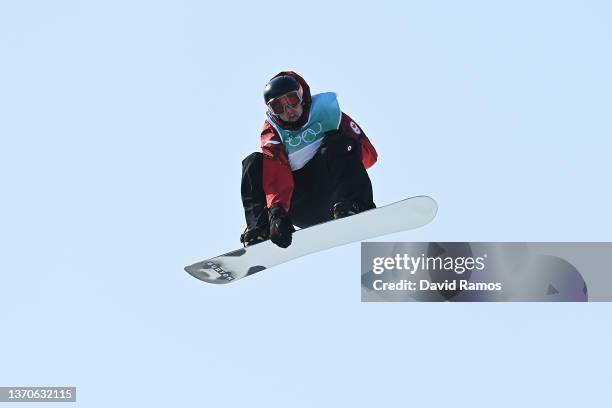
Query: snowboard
(400,216)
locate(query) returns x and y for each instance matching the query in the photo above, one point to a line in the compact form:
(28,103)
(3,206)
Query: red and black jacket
(277,176)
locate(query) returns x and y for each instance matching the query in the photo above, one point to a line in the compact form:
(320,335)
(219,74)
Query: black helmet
(279,86)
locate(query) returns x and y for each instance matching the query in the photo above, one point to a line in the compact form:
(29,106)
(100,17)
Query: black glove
(281,227)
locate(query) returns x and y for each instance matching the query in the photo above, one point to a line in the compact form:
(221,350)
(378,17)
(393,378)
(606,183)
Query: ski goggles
(278,105)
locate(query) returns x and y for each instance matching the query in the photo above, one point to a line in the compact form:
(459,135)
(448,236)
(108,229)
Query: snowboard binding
(344,209)
(255,236)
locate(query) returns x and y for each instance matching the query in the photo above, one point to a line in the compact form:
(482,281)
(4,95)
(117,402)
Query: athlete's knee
(252,158)
(252,162)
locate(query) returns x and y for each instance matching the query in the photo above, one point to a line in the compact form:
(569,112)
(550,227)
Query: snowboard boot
(255,236)
(344,209)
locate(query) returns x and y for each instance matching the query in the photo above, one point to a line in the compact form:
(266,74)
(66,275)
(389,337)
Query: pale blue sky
(123,124)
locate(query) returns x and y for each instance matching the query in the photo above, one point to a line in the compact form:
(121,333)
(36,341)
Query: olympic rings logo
(307,136)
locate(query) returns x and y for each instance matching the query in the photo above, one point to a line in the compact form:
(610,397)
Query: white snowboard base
(400,216)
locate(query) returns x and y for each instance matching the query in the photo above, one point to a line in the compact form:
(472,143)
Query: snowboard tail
(403,215)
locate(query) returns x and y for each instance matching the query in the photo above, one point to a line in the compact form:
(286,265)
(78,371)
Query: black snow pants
(334,174)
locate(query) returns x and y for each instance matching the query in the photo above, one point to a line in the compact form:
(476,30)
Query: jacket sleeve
(277,176)
(349,127)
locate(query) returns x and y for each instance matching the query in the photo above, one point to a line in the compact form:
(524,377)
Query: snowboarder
(312,167)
